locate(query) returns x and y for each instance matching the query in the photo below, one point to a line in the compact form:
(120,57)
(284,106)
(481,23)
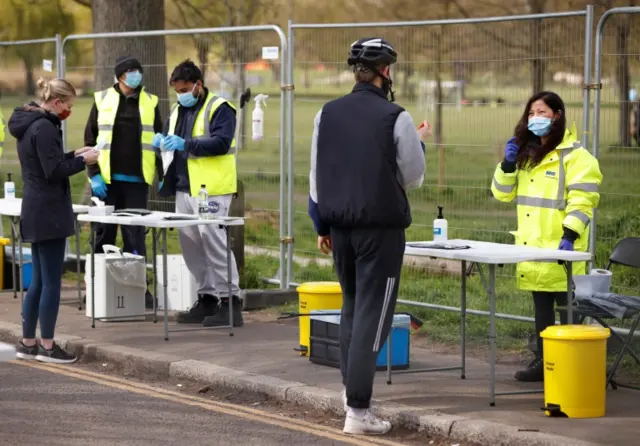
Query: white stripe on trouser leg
(391,282)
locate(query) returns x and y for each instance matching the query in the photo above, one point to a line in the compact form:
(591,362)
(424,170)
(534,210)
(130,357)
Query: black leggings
(544,303)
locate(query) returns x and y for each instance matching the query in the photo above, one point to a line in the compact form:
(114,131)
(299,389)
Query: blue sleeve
(321,228)
(424,147)
(222,129)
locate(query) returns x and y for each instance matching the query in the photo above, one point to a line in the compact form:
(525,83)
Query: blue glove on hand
(98,186)
(173,142)
(157,139)
(511,150)
(565,245)
(160,184)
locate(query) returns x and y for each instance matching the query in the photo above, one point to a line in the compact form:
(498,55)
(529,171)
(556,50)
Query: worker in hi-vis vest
(200,133)
(121,124)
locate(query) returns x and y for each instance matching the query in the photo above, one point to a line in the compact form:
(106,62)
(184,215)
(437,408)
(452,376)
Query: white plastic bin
(120,285)
(182,288)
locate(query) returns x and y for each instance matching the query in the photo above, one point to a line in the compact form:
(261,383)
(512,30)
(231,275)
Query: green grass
(473,140)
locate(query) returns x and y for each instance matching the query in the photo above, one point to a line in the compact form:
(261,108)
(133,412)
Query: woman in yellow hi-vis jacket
(554,181)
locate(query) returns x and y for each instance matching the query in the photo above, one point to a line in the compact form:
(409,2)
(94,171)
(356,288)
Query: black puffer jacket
(47,211)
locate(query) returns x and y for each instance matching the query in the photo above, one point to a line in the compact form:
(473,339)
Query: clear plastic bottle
(203,202)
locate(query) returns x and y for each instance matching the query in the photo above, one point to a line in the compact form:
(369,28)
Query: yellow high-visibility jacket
(561,191)
(1,133)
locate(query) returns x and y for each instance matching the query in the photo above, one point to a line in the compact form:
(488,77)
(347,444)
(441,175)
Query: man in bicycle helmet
(365,154)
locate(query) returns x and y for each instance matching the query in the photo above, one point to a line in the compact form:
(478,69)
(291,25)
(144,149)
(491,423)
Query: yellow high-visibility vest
(218,173)
(107,104)
(561,191)
(1,133)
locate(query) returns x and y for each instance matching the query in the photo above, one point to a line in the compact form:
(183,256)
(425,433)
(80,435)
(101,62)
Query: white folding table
(12,208)
(492,254)
(161,221)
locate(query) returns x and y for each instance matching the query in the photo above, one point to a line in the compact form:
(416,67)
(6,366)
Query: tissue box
(101,210)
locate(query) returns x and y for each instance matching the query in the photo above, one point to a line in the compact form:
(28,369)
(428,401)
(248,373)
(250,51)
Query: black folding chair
(625,253)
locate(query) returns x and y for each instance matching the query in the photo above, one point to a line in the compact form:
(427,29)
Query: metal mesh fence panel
(471,81)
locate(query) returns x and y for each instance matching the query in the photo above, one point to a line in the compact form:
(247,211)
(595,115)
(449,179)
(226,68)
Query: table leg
(389,355)
(463,319)
(492,334)
(79,284)
(14,264)
(92,247)
(229,280)
(165,282)
(21,270)
(154,251)
(569,292)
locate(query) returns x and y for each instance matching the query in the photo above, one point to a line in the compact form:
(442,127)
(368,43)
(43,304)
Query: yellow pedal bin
(314,296)
(575,370)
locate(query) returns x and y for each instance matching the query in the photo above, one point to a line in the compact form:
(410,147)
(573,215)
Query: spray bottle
(9,188)
(258,117)
(440,226)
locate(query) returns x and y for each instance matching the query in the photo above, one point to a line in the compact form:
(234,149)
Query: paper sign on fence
(270,52)
(47,65)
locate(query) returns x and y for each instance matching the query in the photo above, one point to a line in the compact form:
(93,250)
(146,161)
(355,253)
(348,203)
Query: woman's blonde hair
(55,89)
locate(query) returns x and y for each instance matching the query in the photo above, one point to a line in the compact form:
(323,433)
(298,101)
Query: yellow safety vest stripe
(107,104)
(218,172)
(1,133)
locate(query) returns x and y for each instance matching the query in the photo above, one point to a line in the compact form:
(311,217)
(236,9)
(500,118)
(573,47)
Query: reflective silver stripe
(580,216)
(103,94)
(207,110)
(586,187)
(144,147)
(562,178)
(502,188)
(106,147)
(548,203)
(1,143)
(147,128)
(106,127)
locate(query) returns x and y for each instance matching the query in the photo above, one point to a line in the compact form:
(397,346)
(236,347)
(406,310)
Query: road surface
(70,405)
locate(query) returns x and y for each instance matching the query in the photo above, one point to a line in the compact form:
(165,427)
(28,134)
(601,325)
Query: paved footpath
(260,357)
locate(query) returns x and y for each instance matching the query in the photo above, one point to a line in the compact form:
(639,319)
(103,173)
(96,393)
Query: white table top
(157,220)
(13,207)
(7,352)
(493,253)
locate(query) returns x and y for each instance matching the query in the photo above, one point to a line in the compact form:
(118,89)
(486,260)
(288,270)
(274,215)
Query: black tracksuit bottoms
(368,262)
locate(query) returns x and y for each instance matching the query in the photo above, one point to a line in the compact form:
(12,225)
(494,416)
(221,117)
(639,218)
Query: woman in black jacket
(47,215)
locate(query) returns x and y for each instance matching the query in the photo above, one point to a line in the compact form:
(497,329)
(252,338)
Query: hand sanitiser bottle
(203,203)
(257,117)
(440,226)
(9,188)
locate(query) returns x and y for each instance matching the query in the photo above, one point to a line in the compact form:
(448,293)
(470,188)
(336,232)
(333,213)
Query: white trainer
(368,424)
(343,397)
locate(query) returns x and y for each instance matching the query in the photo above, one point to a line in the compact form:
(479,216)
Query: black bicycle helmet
(372,51)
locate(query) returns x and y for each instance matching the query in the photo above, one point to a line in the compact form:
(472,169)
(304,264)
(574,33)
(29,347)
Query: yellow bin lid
(320,288)
(576,332)
(5,241)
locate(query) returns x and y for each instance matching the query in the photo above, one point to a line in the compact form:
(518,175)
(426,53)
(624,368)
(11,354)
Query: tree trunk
(622,78)
(538,64)
(131,15)
(30,83)
(202,47)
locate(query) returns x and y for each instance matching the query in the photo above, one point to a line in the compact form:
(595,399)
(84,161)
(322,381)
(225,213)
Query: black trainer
(206,305)
(221,318)
(26,352)
(55,356)
(148,300)
(533,373)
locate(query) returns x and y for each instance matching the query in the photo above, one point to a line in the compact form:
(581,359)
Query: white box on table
(182,288)
(117,296)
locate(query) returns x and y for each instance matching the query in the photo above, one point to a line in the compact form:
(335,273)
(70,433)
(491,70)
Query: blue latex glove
(565,245)
(98,186)
(160,184)
(173,142)
(511,150)
(157,139)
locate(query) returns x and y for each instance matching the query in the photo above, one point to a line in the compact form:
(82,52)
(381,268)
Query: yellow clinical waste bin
(315,296)
(3,242)
(575,370)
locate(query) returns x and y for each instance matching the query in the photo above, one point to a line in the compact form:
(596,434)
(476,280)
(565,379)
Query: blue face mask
(133,79)
(188,99)
(539,125)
